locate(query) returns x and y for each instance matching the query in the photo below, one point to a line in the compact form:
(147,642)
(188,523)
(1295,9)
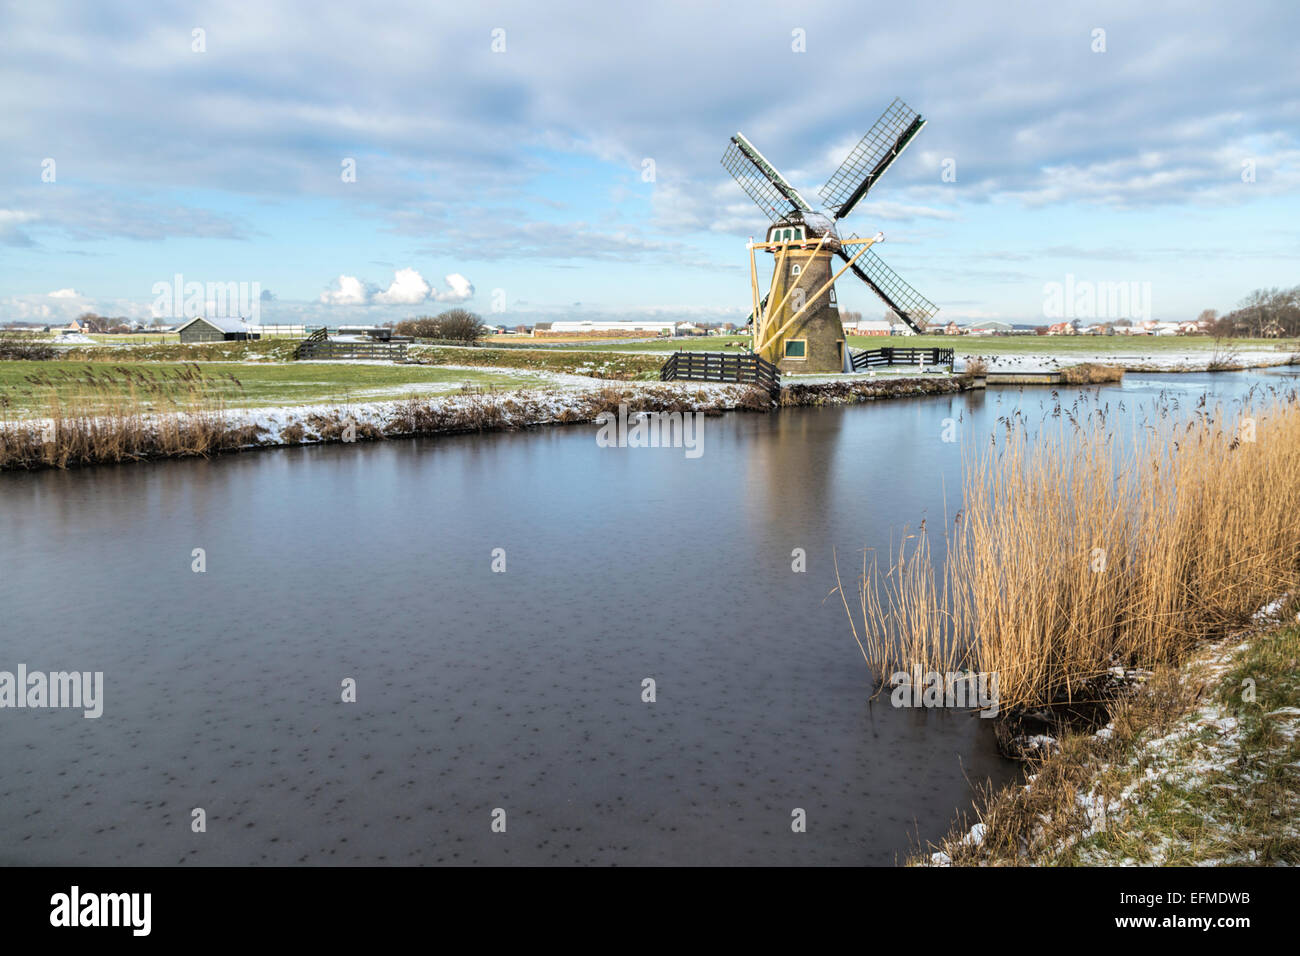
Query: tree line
(1265,313)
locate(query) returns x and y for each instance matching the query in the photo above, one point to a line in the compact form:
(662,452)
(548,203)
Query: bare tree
(454,325)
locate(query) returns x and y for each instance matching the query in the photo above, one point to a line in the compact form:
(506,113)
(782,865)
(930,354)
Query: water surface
(480,690)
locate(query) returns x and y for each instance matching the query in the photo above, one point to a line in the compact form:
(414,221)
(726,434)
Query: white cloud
(350,291)
(408,288)
(458,289)
(65,294)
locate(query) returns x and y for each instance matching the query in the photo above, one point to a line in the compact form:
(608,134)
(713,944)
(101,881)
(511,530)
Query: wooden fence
(869,358)
(717,367)
(323,348)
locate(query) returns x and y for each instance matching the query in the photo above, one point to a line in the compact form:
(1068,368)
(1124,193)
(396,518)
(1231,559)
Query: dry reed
(1086,549)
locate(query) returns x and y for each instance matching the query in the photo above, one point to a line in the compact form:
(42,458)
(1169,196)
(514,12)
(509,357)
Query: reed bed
(102,425)
(120,415)
(1091,373)
(1086,548)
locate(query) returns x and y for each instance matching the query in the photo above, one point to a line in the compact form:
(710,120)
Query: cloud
(47,308)
(65,294)
(350,291)
(1018,96)
(408,288)
(537,154)
(458,289)
(10,232)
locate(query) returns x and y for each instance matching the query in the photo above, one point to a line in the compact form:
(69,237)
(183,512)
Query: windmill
(797,324)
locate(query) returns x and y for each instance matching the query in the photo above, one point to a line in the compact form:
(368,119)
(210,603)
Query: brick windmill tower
(797,324)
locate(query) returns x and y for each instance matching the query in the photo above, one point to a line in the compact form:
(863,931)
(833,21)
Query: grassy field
(568,361)
(28,388)
(704,343)
(980,345)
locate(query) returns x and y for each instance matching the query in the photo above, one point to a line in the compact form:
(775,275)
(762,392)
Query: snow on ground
(532,406)
(902,371)
(517,408)
(1156,360)
(1202,745)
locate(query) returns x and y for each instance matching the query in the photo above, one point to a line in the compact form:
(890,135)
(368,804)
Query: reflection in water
(478,690)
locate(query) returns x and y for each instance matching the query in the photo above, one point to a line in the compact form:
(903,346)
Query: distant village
(1265,313)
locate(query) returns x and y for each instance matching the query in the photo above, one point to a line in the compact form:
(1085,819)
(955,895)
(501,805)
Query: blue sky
(518,173)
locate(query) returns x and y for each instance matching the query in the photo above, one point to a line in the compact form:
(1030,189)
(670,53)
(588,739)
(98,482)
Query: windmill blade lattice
(908,304)
(868,160)
(767,187)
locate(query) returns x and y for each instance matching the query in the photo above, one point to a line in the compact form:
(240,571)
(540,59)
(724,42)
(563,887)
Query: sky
(349,163)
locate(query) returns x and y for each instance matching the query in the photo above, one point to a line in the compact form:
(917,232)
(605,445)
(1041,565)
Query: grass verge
(1199,765)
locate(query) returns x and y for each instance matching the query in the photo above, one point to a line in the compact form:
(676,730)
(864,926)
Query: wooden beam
(829,282)
(779,245)
(820,243)
(767,313)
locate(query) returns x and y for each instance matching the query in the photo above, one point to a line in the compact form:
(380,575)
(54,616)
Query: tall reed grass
(1086,548)
(120,416)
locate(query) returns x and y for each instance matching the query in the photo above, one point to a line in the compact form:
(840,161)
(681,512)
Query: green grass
(26,388)
(584,361)
(1247,811)
(1202,767)
(704,343)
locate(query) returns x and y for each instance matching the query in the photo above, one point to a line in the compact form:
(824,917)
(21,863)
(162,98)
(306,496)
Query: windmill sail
(759,178)
(868,160)
(908,304)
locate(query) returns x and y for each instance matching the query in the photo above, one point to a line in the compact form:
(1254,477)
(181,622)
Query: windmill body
(807,334)
(797,325)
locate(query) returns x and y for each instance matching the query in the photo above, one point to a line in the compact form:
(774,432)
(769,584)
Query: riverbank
(130,433)
(1198,766)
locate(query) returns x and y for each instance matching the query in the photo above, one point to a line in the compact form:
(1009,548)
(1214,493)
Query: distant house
(379,333)
(870,327)
(991,328)
(217,330)
(952,328)
(600,329)
(73,326)
(1060,328)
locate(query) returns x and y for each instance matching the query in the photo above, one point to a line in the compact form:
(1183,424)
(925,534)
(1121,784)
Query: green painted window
(796,348)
